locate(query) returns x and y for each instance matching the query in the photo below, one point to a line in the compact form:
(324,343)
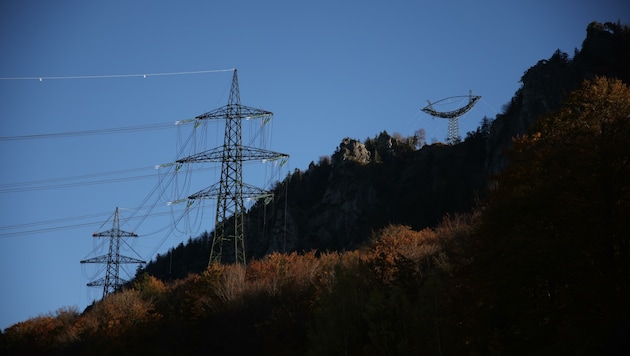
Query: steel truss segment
(102,282)
(239,153)
(97,283)
(215,191)
(99,259)
(234,111)
(118,259)
(454,113)
(115,233)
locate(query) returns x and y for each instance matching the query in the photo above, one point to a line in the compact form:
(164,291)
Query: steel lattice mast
(113,259)
(452,116)
(231,191)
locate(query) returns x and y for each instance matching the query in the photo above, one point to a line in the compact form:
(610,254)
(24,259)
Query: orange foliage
(117,314)
(149,287)
(396,240)
(292,282)
(277,271)
(44,333)
(396,243)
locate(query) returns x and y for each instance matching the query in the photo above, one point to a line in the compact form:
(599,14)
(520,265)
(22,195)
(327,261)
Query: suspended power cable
(75,184)
(114,130)
(33,185)
(496,112)
(124,241)
(32,228)
(47,222)
(26,231)
(87,179)
(109,76)
(62,179)
(172,228)
(169,180)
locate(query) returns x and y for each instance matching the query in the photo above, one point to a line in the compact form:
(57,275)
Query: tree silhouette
(553,258)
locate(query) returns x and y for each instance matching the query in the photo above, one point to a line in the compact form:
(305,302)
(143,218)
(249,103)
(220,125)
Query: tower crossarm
(219,154)
(451,114)
(104,282)
(97,259)
(114,233)
(234,111)
(119,259)
(214,191)
(98,282)
(127,259)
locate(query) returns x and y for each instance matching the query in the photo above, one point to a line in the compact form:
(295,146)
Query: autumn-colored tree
(551,267)
(391,298)
(44,334)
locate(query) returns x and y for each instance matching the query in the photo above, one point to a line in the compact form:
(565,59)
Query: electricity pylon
(452,116)
(230,190)
(113,259)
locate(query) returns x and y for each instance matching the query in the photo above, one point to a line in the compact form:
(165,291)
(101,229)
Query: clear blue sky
(327,69)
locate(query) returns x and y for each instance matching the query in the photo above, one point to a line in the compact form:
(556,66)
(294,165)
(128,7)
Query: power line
(16,226)
(25,186)
(64,227)
(54,183)
(33,185)
(88,132)
(110,76)
(113,130)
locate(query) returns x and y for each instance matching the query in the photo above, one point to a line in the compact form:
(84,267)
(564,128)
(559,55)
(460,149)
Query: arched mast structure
(452,116)
(230,191)
(113,259)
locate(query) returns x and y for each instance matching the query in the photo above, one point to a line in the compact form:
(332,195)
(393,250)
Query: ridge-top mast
(453,115)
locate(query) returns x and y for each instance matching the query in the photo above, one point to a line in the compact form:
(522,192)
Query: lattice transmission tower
(452,136)
(231,191)
(113,259)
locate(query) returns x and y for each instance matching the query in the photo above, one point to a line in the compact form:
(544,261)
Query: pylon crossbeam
(246,153)
(114,233)
(248,192)
(106,258)
(103,282)
(235,111)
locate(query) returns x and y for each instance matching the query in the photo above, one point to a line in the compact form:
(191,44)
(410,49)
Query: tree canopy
(552,260)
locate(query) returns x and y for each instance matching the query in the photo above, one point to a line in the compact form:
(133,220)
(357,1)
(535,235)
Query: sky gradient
(326,69)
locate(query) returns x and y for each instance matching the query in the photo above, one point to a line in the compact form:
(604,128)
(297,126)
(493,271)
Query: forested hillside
(514,241)
(337,203)
(367,184)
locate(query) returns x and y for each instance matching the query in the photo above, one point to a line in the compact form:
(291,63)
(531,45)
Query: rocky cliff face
(351,150)
(337,205)
(543,89)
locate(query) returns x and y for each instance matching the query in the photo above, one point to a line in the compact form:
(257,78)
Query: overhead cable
(58,228)
(109,76)
(87,132)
